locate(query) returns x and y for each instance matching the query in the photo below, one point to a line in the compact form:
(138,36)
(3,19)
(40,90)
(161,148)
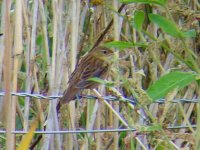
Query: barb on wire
(39,96)
(108,98)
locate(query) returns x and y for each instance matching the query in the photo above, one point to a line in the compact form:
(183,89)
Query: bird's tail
(68,95)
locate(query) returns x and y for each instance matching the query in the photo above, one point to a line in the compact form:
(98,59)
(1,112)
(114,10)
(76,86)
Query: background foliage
(157,56)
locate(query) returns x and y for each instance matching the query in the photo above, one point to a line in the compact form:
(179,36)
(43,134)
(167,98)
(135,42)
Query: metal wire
(108,98)
(89,131)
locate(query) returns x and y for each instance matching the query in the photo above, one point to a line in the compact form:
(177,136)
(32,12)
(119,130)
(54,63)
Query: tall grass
(43,41)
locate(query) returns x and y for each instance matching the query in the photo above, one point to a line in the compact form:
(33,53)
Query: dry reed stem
(75,15)
(117,28)
(1,58)
(8,104)
(2,41)
(17,58)
(69,32)
(52,120)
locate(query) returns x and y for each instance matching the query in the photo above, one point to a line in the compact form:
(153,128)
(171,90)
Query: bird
(97,63)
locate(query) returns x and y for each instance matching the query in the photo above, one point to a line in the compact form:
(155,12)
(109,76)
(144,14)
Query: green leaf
(40,40)
(101,81)
(98,80)
(190,33)
(160,146)
(169,82)
(158,2)
(153,128)
(123,45)
(166,25)
(138,20)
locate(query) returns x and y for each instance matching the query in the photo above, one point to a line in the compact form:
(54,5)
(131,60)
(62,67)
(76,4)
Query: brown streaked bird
(96,63)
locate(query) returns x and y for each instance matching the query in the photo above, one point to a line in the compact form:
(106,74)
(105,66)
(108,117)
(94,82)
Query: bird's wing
(79,66)
(90,72)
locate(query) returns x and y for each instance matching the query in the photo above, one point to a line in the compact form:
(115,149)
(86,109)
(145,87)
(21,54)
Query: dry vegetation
(42,42)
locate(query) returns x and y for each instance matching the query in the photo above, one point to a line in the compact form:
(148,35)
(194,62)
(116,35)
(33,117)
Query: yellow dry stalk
(27,138)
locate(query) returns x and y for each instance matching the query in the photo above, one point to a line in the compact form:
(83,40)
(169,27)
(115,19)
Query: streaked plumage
(96,63)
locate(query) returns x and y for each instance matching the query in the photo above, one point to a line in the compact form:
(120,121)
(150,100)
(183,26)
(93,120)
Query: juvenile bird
(96,63)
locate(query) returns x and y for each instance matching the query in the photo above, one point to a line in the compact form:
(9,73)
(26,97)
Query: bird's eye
(104,51)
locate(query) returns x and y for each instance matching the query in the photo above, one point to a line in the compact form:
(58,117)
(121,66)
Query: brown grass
(42,42)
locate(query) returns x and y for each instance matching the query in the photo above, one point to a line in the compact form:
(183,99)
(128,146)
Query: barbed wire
(90,131)
(108,98)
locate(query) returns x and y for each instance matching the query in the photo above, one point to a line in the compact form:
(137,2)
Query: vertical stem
(2,57)
(75,13)
(52,114)
(33,49)
(74,36)
(28,73)
(17,54)
(116,104)
(197,138)
(44,29)
(1,38)
(98,125)
(10,138)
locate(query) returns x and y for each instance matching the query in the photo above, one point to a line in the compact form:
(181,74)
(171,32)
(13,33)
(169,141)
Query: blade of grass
(24,145)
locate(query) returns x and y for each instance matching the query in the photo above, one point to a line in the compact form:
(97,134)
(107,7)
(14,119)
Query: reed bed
(157,56)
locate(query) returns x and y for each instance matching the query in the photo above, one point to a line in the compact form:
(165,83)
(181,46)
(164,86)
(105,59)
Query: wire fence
(108,98)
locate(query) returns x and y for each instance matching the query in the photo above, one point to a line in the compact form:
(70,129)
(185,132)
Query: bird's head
(103,53)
